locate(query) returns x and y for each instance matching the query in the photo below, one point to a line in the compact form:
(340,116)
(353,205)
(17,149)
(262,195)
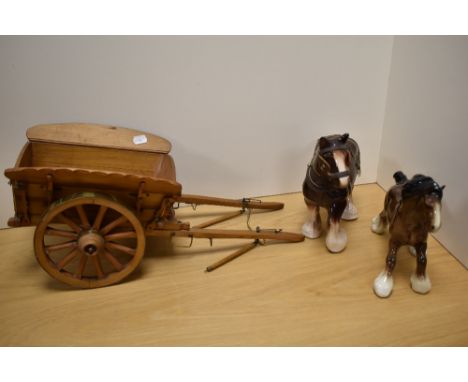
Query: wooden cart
(95,192)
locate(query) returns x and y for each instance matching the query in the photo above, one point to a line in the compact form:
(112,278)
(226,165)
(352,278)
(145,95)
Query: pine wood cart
(94,193)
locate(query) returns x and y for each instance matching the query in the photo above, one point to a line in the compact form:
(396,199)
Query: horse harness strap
(320,183)
(334,193)
(338,174)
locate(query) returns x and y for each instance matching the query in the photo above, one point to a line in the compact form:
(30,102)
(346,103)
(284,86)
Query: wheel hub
(90,243)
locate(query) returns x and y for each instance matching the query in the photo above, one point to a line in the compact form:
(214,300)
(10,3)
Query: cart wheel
(89,240)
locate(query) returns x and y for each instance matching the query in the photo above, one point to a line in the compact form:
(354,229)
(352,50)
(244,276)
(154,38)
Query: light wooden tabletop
(279,294)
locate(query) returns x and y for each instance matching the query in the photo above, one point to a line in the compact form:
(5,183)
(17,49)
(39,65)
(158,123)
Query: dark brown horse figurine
(329,183)
(411,211)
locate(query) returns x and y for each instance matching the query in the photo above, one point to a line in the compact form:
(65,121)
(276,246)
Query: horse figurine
(411,211)
(329,183)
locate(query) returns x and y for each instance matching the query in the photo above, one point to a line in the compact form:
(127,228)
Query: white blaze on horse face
(436,221)
(340,160)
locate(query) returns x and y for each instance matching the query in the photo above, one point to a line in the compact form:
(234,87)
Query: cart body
(94,192)
(65,159)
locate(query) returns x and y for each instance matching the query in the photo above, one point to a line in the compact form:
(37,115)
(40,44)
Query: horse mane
(418,185)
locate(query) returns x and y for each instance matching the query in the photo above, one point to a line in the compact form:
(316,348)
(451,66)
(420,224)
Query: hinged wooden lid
(85,134)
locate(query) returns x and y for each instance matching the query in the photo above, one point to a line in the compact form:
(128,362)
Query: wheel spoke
(100,215)
(66,259)
(89,240)
(121,248)
(121,235)
(109,227)
(79,271)
(116,263)
(58,232)
(70,223)
(57,247)
(82,215)
(98,266)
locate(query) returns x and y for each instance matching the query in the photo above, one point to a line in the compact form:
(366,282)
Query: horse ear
(442,187)
(323,142)
(344,137)
(400,177)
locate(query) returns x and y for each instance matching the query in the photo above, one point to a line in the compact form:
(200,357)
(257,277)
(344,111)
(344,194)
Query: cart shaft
(244,203)
(228,234)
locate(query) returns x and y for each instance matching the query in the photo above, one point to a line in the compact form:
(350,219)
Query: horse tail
(400,177)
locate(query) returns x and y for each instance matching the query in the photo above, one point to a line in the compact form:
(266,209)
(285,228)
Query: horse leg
(420,281)
(312,228)
(383,284)
(350,212)
(379,223)
(336,238)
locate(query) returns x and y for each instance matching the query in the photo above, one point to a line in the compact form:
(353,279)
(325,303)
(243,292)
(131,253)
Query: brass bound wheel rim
(89,240)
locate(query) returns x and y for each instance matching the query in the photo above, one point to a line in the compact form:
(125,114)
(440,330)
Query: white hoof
(412,250)
(336,241)
(420,284)
(311,230)
(377,226)
(383,284)
(350,212)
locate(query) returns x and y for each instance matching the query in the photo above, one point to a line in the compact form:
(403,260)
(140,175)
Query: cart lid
(85,134)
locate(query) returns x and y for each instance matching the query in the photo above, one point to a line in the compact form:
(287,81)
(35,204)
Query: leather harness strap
(335,146)
(334,193)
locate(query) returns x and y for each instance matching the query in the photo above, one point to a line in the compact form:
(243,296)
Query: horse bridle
(336,193)
(334,147)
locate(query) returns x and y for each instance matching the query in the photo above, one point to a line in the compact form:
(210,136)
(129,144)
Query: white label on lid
(140,139)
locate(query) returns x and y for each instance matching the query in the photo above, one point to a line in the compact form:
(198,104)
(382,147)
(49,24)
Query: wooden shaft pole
(232,256)
(219,220)
(227,234)
(210,200)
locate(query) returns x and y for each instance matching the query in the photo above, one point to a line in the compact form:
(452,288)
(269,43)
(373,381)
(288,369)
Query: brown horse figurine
(329,183)
(411,211)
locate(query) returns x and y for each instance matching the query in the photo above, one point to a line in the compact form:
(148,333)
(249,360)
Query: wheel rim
(89,240)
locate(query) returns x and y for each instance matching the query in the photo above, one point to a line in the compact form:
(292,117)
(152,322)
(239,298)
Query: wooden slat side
(133,162)
(91,178)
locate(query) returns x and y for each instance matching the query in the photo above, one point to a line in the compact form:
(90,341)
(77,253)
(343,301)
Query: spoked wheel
(89,240)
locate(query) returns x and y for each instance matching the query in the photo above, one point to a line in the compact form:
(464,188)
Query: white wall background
(243,113)
(426,125)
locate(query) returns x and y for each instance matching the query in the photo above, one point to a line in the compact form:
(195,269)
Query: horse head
(333,159)
(424,191)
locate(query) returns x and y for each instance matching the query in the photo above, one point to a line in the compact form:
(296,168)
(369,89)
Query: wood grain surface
(275,295)
(88,134)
